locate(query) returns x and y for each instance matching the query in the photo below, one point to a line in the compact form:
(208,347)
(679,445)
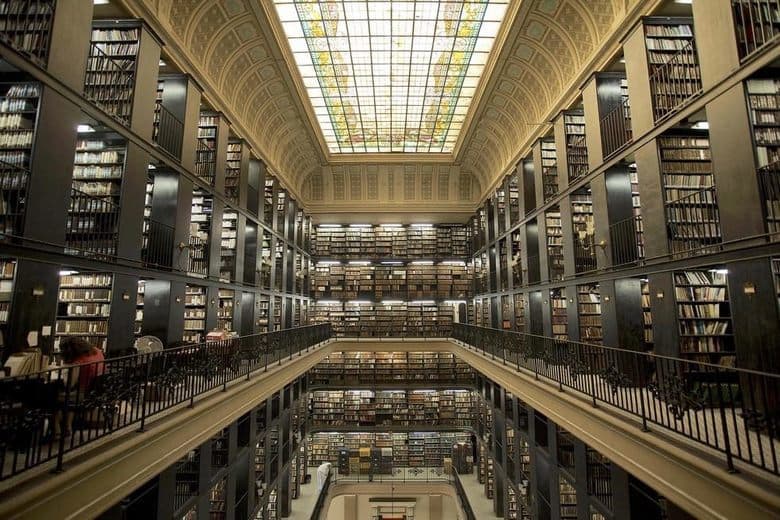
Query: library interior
(390,259)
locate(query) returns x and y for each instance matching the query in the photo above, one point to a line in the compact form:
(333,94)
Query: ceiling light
(701,125)
(687,2)
(424,226)
(99,2)
(360,225)
(391,225)
(67,272)
(162,63)
(330,226)
(84,128)
(359,262)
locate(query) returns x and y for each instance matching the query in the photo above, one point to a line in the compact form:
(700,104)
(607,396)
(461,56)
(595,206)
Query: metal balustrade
(198,258)
(693,223)
(675,82)
(627,241)
(464,499)
(319,506)
(616,131)
(757,24)
(127,392)
(26,26)
(159,242)
(584,254)
(168,130)
(92,226)
(732,411)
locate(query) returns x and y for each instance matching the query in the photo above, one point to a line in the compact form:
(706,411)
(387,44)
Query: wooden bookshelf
(568,499)
(559,314)
(7,277)
(227,250)
(549,169)
(554,231)
(764,103)
(83,307)
(200,231)
(194,314)
(233,171)
(583,227)
(689,192)
(589,311)
(636,205)
(206,150)
(226,310)
(704,315)
(673,63)
(26,26)
(576,147)
(111,68)
(519,305)
(516,261)
(139,308)
(647,315)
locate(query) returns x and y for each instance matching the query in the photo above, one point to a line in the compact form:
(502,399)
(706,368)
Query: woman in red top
(86,364)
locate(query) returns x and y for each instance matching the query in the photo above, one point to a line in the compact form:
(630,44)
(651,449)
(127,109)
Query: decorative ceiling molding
(549,46)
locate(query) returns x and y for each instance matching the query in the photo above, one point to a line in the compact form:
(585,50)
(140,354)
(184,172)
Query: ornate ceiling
(232,49)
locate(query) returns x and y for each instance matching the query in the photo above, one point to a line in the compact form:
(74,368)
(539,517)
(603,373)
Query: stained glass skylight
(386,76)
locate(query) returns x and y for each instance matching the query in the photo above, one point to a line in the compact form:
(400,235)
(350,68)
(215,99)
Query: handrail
(616,132)
(674,82)
(730,410)
(13,188)
(627,241)
(37,411)
(755,26)
(693,223)
(168,130)
(320,504)
(109,84)
(461,492)
(92,225)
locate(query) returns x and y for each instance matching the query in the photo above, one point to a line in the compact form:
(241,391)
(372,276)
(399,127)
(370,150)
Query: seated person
(86,364)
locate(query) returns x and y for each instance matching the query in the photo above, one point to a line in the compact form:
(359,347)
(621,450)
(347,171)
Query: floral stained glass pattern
(391,76)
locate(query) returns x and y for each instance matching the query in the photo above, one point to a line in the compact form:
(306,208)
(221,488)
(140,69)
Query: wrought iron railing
(693,223)
(394,474)
(159,241)
(676,81)
(26,25)
(757,24)
(769,187)
(730,410)
(205,161)
(534,270)
(616,131)
(627,241)
(584,254)
(109,83)
(341,374)
(13,194)
(168,130)
(45,415)
(410,329)
(92,226)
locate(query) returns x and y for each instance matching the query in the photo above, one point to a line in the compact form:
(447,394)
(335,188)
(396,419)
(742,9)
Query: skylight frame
(373,92)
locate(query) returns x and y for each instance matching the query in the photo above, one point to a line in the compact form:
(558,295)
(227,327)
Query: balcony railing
(168,130)
(26,25)
(693,223)
(732,411)
(616,131)
(757,24)
(769,186)
(584,254)
(464,499)
(675,82)
(323,494)
(43,417)
(13,191)
(627,241)
(159,242)
(92,226)
(109,83)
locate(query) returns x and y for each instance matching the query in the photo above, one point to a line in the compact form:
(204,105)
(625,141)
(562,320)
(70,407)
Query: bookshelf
(194,314)
(576,148)
(583,227)
(18,116)
(26,26)
(636,209)
(704,315)
(689,192)
(271,508)
(139,308)
(111,68)
(83,307)
(233,171)
(217,500)
(268,201)
(516,261)
(206,150)
(764,103)
(589,311)
(7,276)
(647,315)
(672,61)
(568,499)
(776,275)
(554,232)
(506,312)
(560,320)
(187,478)
(200,231)
(227,251)
(549,169)
(519,305)
(225,310)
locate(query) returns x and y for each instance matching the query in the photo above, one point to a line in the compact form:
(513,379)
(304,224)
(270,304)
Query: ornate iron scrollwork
(673,391)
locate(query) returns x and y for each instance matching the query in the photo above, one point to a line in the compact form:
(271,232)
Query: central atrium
(390,260)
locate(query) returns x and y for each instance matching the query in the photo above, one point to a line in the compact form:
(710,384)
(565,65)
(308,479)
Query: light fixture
(84,128)
(686,2)
(151,167)
(327,302)
(162,63)
(422,262)
(701,125)
(454,302)
(391,225)
(359,262)
(100,2)
(423,302)
(719,271)
(392,262)
(422,226)
(749,288)
(67,272)
(360,302)
(392,302)
(360,226)
(330,226)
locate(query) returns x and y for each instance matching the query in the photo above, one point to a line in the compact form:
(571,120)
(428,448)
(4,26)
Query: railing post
(145,391)
(63,422)
(724,423)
